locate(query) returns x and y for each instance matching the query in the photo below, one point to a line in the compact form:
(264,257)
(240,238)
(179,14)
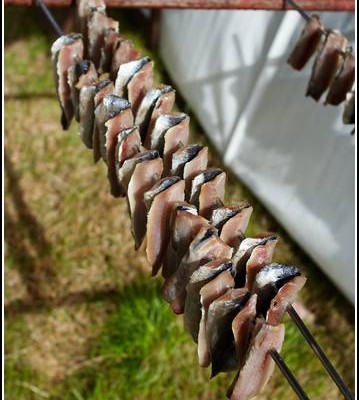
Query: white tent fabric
(295,154)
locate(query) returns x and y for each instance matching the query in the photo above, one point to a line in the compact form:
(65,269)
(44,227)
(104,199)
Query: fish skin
(175,137)
(112,116)
(307,44)
(206,246)
(212,195)
(156,140)
(326,64)
(103,88)
(242,327)
(110,38)
(121,121)
(221,313)
(144,176)
(80,75)
(84,9)
(125,171)
(259,365)
(193,167)
(128,144)
(285,296)
(98,25)
(157,101)
(66,51)
(134,79)
(185,223)
(269,280)
(343,82)
(182,156)
(208,293)
(201,178)
(87,114)
(201,276)
(260,256)
(123,52)
(232,226)
(159,212)
(242,255)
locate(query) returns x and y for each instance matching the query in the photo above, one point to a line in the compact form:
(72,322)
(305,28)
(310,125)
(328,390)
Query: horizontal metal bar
(278,5)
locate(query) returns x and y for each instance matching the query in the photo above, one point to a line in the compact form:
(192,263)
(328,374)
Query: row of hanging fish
(232,296)
(333,69)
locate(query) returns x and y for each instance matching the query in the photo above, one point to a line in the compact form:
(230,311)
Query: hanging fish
(201,276)
(125,170)
(170,132)
(242,327)
(243,254)
(285,296)
(112,115)
(88,94)
(128,145)
(343,81)
(66,51)
(232,222)
(145,174)
(326,64)
(80,75)
(307,44)
(259,366)
(122,119)
(157,101)
(134,79)
(98,24)
(123,52)
(206,246)
(260,256)
(160,200)
(185,223)
(207,190)
(110,37)
(269,280)
(221,313)
(84,10)
(209,292)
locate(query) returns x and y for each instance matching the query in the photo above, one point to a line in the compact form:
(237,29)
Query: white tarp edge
(294,154)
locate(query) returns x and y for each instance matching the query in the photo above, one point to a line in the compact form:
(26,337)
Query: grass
(83,318)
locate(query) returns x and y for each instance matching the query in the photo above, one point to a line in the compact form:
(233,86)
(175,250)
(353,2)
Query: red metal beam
(309,5)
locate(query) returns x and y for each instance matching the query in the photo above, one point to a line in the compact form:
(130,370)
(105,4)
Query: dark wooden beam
(309,5)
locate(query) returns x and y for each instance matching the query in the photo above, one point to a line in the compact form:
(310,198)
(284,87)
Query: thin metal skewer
(319,353)
(288,374)
(297,8)
(49,16)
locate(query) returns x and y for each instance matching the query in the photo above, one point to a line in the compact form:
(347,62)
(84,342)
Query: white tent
(295,154)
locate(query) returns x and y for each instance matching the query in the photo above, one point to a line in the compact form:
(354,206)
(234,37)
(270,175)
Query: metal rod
(299,9)
(288,375)
(320,353)
(49,16)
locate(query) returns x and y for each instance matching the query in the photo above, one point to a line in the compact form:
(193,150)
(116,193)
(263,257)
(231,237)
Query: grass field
(84,320)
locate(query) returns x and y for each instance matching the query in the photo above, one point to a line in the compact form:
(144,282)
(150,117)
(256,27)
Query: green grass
(83,318)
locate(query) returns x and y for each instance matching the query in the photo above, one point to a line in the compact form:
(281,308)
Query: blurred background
(84,320)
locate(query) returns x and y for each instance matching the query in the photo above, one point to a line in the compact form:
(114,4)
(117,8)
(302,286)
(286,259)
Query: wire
(49,16)
(288,374)
(319,353)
